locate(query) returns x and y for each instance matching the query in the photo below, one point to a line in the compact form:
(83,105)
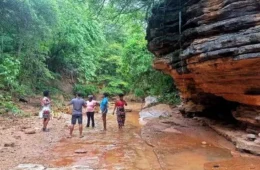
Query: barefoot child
(46,110)
(104,109)
(77,103)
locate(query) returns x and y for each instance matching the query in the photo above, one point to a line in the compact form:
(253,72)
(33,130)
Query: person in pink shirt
(91,104)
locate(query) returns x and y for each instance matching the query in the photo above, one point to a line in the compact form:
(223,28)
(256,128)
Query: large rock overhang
(215,51)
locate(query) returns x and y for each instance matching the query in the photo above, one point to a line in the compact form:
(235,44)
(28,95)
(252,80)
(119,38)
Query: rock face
(212,50)
(160,110)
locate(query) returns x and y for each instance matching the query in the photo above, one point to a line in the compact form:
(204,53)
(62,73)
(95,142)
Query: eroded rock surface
(212,50)
(160,110)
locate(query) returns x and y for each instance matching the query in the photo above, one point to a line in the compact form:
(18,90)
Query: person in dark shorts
(77,103)
(46,110)
(104,110)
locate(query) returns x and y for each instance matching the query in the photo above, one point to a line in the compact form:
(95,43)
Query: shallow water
(125,149)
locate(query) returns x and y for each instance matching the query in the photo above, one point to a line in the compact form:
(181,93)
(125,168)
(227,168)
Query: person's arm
(70,103)
(125,103)
(114,109)
(48,101)
(97,103)
(84,104)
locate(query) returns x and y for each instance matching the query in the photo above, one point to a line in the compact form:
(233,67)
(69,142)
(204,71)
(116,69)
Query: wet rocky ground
(170,142)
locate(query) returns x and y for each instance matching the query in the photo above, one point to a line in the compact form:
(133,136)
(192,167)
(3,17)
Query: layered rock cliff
(212,50)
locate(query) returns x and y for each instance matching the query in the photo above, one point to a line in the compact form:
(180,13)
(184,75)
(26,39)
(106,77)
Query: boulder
(212,51)
(160,110)
(250,137)
(248,146)
(150,100)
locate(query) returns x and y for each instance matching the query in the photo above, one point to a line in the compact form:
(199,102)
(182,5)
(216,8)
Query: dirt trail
(173,143)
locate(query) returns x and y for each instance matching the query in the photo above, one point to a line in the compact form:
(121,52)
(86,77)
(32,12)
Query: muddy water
(155,146)
(113,149)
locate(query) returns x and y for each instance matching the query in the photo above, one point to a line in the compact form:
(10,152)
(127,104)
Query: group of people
(78,104)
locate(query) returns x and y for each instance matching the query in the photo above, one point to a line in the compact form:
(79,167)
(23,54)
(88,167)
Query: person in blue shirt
(104,110)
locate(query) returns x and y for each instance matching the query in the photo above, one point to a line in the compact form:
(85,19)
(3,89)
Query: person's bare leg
(80,131)
(46,123)
(43,124)
(71,130)
(104,121)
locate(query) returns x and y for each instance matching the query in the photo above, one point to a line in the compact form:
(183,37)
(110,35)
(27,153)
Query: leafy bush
(85,89)
(9,70)
(139,93)
(7,105)
(170,98)
(113,91)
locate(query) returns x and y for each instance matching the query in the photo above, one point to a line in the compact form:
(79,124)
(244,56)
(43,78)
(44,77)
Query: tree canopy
(98,44)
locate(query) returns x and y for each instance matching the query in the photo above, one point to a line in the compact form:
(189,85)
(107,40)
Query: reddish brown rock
(212,50)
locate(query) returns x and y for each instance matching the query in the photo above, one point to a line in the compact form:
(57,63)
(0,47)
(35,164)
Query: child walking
(46,110)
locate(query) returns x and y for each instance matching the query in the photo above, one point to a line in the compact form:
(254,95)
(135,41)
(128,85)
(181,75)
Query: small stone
(251,137)
(204,143)
(30,131)
(2,150)
(9,144)
(17,137)
(29,167)
(80,151)
(80,167)
(257,141)
(215,166)
(25,127)
(235,154)
(257,118)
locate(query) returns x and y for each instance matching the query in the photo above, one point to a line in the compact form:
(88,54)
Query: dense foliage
(99,45)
